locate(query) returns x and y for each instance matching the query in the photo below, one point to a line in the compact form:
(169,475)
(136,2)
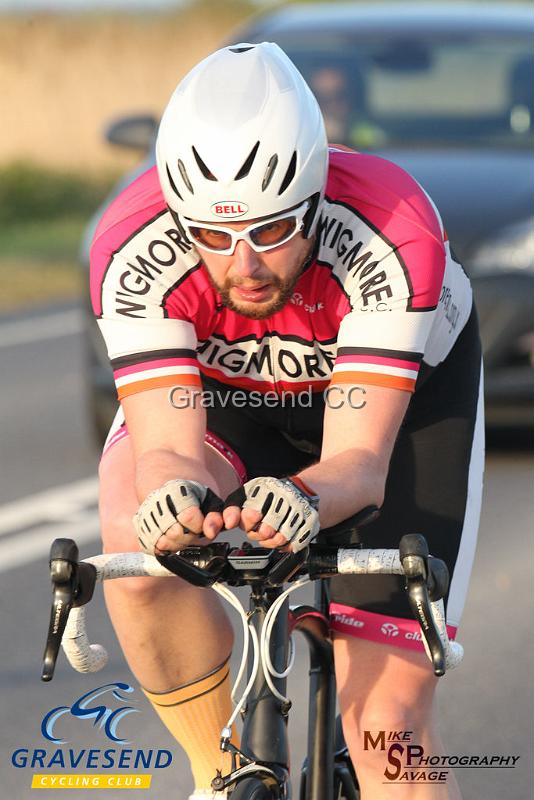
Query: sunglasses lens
(212,239)
(275,232)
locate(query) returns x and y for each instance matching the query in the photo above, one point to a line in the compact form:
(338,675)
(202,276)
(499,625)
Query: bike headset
(243,138)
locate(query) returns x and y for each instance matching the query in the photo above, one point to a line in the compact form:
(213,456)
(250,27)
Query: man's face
(253,284)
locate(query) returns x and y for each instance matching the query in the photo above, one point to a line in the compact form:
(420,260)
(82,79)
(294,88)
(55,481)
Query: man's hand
(178,514)
(274,512)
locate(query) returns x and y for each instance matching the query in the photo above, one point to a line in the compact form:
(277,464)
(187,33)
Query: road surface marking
(51,504)
(28,526)
(39,328)
(23,548)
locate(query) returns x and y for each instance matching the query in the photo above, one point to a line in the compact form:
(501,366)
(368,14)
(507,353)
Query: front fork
(264,750)
(264,743)
(313,625)
(328,773)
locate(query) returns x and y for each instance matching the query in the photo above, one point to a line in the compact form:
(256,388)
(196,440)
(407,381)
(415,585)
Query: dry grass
(62,78)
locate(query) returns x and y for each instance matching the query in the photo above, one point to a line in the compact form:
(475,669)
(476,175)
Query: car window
(431,90)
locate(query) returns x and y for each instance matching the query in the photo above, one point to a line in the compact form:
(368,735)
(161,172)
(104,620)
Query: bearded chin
(267,309)
(261,310)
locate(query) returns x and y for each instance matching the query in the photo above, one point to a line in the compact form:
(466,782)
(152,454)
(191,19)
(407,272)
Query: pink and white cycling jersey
(382,296)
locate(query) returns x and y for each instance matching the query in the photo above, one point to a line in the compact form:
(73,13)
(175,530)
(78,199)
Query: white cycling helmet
(242,137)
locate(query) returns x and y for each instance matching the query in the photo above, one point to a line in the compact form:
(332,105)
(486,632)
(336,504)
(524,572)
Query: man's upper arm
(391,279)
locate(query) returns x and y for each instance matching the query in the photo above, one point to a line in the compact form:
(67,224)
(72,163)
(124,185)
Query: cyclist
(286,318)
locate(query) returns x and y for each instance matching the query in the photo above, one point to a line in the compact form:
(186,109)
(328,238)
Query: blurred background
(444,89)
(64,76)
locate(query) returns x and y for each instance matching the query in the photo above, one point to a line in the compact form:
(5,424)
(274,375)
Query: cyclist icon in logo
(107,717)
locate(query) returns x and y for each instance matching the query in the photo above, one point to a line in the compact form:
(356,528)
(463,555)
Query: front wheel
(251,789)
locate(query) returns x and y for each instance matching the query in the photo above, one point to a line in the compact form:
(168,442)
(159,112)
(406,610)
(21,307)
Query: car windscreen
(429,90)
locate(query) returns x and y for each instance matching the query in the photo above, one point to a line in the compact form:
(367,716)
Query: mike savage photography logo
(407,761)
(102,714)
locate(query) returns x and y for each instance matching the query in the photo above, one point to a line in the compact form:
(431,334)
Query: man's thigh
(118,499)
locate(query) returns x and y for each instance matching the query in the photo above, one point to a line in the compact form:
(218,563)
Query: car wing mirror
(136,132)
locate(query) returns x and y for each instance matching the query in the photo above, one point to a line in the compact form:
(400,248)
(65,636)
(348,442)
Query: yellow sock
(195,714)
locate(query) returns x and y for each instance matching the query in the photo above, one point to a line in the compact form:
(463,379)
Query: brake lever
(72,586)
(420,605)
(413,551)
(438,579)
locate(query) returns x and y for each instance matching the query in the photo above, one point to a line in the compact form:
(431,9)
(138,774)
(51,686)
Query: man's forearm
(156,467)
(346,483)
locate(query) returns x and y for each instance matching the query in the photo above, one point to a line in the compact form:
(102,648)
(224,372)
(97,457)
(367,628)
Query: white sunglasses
(272,232)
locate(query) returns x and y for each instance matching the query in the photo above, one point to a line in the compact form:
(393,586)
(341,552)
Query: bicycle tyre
(251,789)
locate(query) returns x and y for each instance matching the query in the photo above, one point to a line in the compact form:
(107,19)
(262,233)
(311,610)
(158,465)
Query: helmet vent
(173,185)
(240,49)
(185,176)
(203,168)
(269,172)
(290,174)
(247,166)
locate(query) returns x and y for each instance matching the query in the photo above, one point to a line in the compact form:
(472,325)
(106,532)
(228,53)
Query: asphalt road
(47,488)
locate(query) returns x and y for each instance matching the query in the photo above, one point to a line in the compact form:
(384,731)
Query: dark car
(447,92)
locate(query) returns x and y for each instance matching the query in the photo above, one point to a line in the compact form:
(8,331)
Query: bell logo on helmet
(229,209)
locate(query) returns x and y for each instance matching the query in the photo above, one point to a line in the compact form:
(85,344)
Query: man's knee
(387,714)
(371,730)
(117,529)
(394,692)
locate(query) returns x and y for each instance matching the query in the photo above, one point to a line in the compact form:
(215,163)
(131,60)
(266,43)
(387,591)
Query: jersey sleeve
(388,251)
(146,293)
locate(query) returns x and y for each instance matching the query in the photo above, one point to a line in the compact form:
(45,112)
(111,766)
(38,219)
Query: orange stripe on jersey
(374,379)
(158,383)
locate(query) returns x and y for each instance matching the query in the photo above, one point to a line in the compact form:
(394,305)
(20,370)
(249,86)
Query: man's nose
(246,261)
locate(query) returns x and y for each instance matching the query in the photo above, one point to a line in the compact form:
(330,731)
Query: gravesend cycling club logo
(409,763)
(102,713)
(107,718)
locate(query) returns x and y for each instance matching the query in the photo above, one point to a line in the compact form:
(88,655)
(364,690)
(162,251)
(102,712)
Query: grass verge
(39,263)
(43,217)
